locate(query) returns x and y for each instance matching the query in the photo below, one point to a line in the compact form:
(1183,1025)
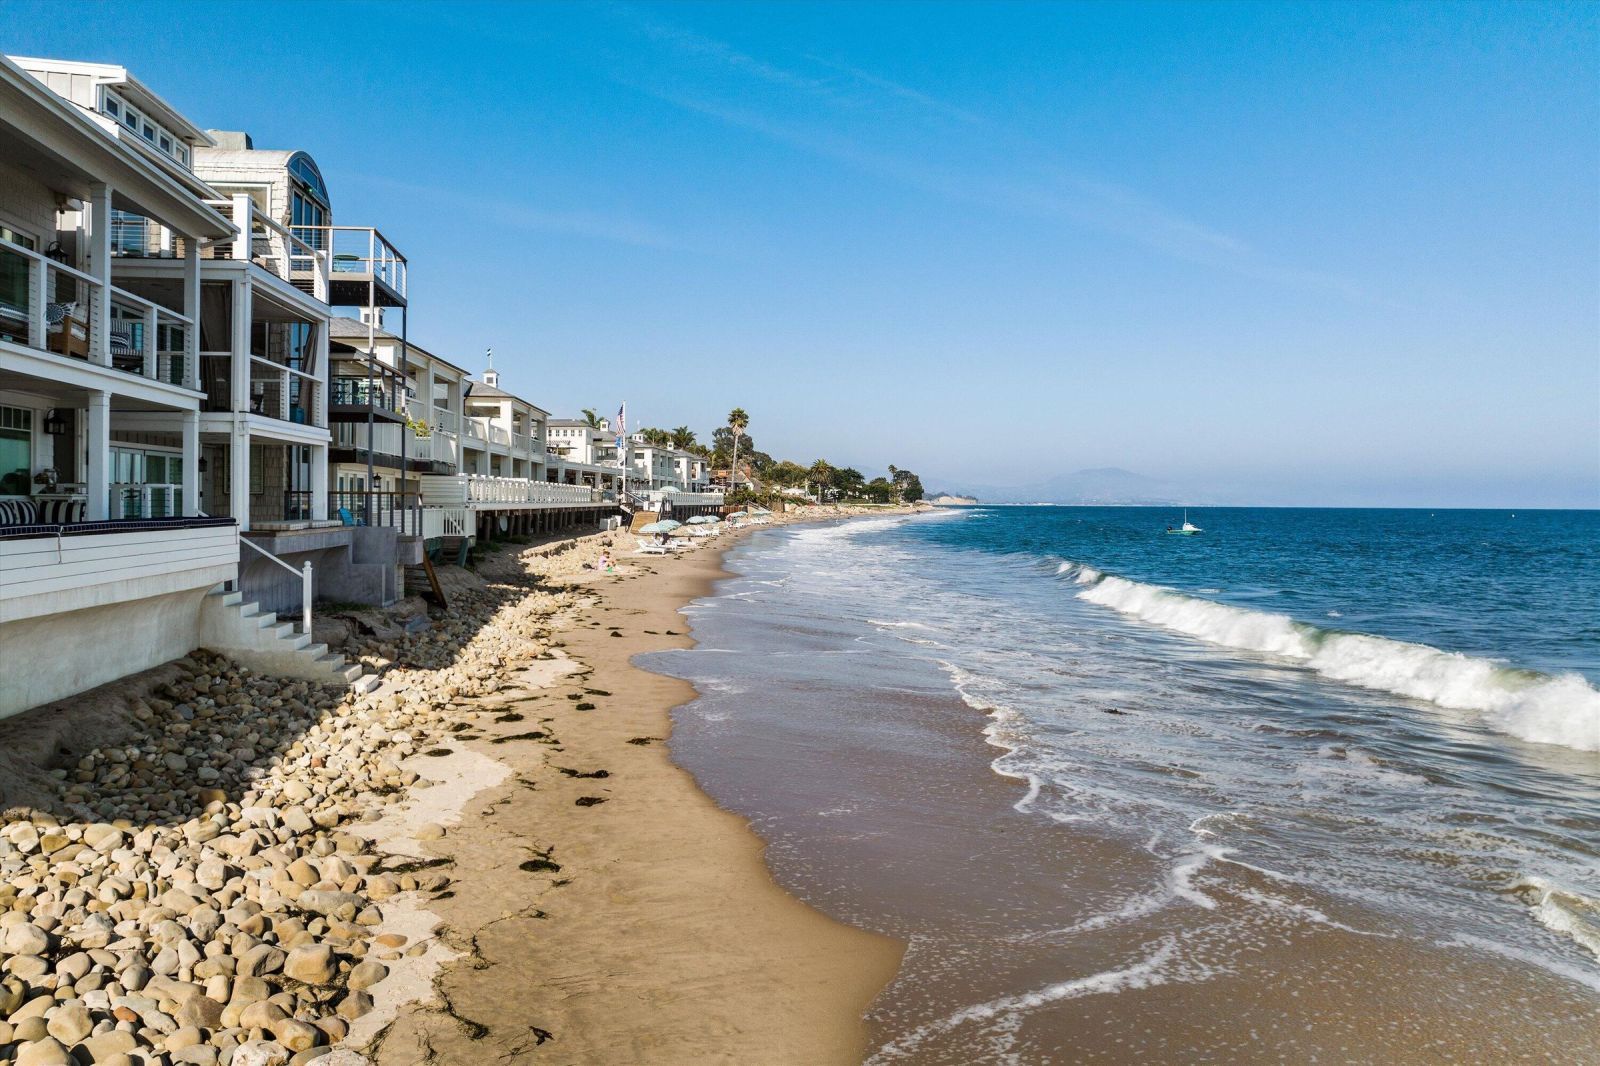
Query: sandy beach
(491,857)
(603,906)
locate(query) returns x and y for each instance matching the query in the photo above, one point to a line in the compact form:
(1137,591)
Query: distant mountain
(1108,485)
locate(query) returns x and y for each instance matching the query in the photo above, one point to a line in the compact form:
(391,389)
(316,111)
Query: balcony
(285,254)
(52,307)
(276,391)
(387,439)
(352,397)
(366,270)
(479,492)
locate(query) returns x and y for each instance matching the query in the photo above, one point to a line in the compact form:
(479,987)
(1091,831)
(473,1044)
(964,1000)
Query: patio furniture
(348,519)
(125,355)
(650,547)
(46,512)
(68,334)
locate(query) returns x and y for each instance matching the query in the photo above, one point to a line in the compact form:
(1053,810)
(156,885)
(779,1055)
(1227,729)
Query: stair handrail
(305,582)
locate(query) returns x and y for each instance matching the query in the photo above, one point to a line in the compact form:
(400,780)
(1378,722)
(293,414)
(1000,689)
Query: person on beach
(605,562)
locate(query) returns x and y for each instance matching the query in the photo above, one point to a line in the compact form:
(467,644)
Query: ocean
(1313,785)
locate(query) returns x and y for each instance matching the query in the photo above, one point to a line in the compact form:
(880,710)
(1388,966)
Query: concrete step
(259,641)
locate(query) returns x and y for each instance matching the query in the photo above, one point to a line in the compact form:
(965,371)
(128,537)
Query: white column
(191,307)
(243,208)
(191,463)
(319,482)
(98,446)
(97,252)
(324,372)
(239,476)
(239,345)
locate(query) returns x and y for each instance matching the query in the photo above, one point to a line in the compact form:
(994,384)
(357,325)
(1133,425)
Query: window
(113,108)
(149,132)
(166,144)
(16,451)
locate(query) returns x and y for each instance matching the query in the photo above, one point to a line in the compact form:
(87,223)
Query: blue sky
(1336,254)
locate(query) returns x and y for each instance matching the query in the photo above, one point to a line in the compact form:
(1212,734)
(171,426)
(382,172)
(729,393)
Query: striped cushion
(61,511)
(18,513)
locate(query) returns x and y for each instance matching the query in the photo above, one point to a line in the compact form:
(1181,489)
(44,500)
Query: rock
(354,1005)
(31,1029)
(314,965)
(70,1022)
(179,1039)
(321,901)
(259,960)
(259,1053)
(26,938)
(202,1012)
(261,1015)
(296,1035)
(105,1045)
(46,1052)
(366,974)
(198,1055)
(429,831)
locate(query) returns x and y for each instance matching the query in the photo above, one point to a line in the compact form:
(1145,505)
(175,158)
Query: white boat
(1188,529)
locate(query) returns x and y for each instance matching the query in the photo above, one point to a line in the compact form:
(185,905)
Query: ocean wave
(1146,973)
(1562,911)
(1562,709)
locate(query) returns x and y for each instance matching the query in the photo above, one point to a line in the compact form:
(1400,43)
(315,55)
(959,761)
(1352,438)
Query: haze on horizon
(1296,254)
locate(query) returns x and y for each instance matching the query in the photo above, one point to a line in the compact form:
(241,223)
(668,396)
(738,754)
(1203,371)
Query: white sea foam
(1562,709)
(1146,973)
(1563,911)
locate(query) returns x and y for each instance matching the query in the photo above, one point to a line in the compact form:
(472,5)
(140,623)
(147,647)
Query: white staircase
(257,640)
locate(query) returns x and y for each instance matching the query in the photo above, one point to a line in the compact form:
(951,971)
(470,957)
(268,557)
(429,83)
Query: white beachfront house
(106,552)
(671,480)
(396,416)
(581,454)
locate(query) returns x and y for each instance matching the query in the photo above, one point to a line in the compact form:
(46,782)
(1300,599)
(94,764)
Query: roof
(143,96)
(479,390)
(343,328)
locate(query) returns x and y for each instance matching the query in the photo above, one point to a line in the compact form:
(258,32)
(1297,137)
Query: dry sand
(602,908)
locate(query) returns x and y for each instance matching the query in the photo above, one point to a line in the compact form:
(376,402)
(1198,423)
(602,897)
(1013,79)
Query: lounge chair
(650,547)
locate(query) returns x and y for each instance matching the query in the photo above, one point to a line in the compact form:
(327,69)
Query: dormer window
(115,107)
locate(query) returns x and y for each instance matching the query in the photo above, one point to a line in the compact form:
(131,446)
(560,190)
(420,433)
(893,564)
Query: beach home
(111,541)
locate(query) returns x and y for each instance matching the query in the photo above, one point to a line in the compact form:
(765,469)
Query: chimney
(232,140)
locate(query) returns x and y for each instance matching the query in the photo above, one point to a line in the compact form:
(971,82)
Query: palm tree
(682,438)
(591,418)
(737,422)
(822,473)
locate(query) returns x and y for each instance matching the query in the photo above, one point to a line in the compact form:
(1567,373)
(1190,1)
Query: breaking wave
(1562,709)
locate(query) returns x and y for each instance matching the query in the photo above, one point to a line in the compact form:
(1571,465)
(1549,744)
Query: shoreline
(633,942)
(491,852)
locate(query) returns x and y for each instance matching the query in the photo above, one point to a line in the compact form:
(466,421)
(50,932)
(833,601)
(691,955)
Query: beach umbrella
(703,519)
(666,525)
(736,514)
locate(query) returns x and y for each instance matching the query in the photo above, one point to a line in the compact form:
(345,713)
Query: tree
(879,490)
(738,421)
(822,475)
(906,484)
(848,481)
(591,418)
(682,438)
(658,438)
(786,474)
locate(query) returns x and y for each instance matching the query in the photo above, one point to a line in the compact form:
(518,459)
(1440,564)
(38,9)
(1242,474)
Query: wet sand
(602,908)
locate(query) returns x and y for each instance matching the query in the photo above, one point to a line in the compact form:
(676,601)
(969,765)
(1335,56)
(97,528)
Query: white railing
(522,442)
(24,316)
(498,434)
(273,247)
(151,340)
(488,492)
(131,500)
(281,392)
(364,250)
(447,420)
(305,581)
(474,429)
(692,499)
(445,522)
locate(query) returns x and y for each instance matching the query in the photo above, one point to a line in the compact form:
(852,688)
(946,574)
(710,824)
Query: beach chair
(650,547)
